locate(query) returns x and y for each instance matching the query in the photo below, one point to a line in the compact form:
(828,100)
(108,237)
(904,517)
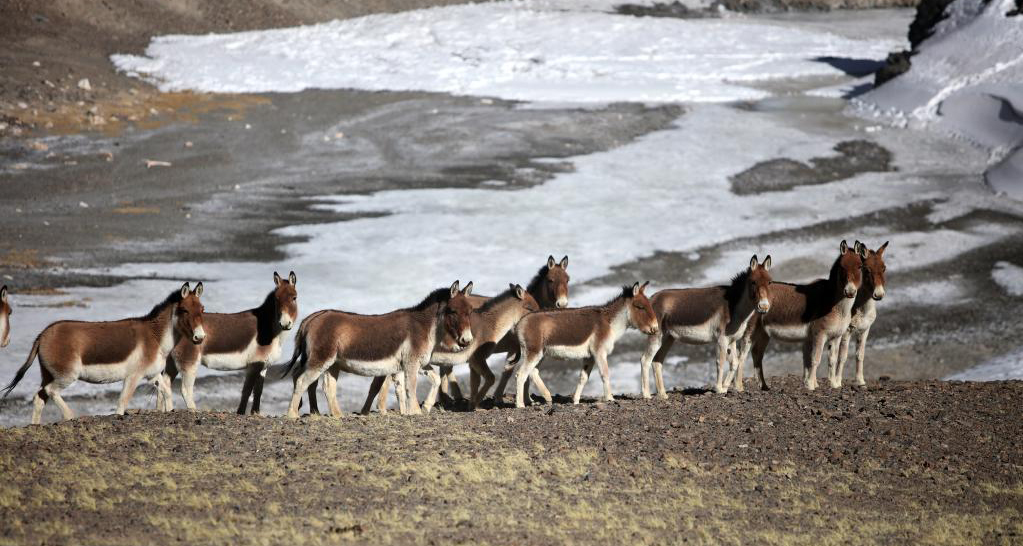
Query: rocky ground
(895,463)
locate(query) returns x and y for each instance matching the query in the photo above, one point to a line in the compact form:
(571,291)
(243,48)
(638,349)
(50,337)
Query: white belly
(372,368)
(568,351)
(117,371)
(696,334)
(226,361)
(797,332)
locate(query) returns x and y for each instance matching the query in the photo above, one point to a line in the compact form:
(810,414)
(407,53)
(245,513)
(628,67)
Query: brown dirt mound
(897,463)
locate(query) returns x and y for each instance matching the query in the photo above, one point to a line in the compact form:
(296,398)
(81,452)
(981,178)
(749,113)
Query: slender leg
(163,386)
(474,385)
(38,402)
(666,342)
(835,361)
(719,385)
(739,353)
(733,365)
(506,374)
(257,389)
(167,377)
(843,355)
(127,391)
(861,351)
(653,344)
(584,376)
(188,386)
(534,378)
(306,378)
(526,364)
(759,346)
(815,351)
(478,368)
(375,387)
(54,391)
(605,374)
(330,390)
(250,381)
(445,389)
(399,394)
(411,380)
(314,403)
(435,383)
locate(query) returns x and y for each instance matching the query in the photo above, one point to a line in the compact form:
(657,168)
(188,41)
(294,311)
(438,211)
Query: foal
(584,332)
(815,314)
(376,345)
(104,352)
(249,340)
(5,318)
(864,312)
(719,314)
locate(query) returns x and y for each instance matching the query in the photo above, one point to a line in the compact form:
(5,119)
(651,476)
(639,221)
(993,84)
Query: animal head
(527,302)
(286,296)
(759,281)
(849,270)
(456,314)
(5,318)
(641,313)
(873,266)
(189,314)
(555,282)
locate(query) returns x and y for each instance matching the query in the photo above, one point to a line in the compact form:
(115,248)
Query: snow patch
(1009,276)
(531,51)
(1005,367)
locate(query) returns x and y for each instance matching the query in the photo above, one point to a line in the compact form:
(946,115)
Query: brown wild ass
(588,333)
(491,322)
(864,312)
(249,340)
(126,350)
(815,314)
(376,345)
(5,318)
(718,314)
(549,288)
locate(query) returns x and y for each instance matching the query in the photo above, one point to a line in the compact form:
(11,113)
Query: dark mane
(537,280)
(489,304)
(267,325)
(624,294)
(736,288)
(440,295)
(836,267)
(173,299)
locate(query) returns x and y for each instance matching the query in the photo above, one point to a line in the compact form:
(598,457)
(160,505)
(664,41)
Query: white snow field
(967,79)
(531,51)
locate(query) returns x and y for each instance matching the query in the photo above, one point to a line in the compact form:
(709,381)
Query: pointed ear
(843,248)
(643,287)
(550,261)
(454,289)
(564,262)
(185,289)
(293,278)
(767,263)
(635,289)
(467,291)
(198,290)
(880,250)
(3,293)
(519,291)
(753,262)
(277,279)
(862,251)
(856,245)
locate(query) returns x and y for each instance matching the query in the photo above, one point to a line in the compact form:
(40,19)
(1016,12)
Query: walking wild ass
(126,350)
(377,345)
(864,312)
(718,314)
(588,333)
(815,314)
(5,318)
(249,340)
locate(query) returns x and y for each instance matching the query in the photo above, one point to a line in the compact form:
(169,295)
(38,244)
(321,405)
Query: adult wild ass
(127,350)
(588,333)
(718,314)
(864,312)
(250,340)
(549,289)
(377,345)
(5,318)
(491,323)
(815,314)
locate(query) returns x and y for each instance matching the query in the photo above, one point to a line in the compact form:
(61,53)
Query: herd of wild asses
(452,326)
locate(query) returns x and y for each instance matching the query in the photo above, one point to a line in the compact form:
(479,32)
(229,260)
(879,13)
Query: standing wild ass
(588,333)
(549,289)
(378,345)
(718,314)
(5,318)
(249,340)
(126,350)
(814,314)
(864,312)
